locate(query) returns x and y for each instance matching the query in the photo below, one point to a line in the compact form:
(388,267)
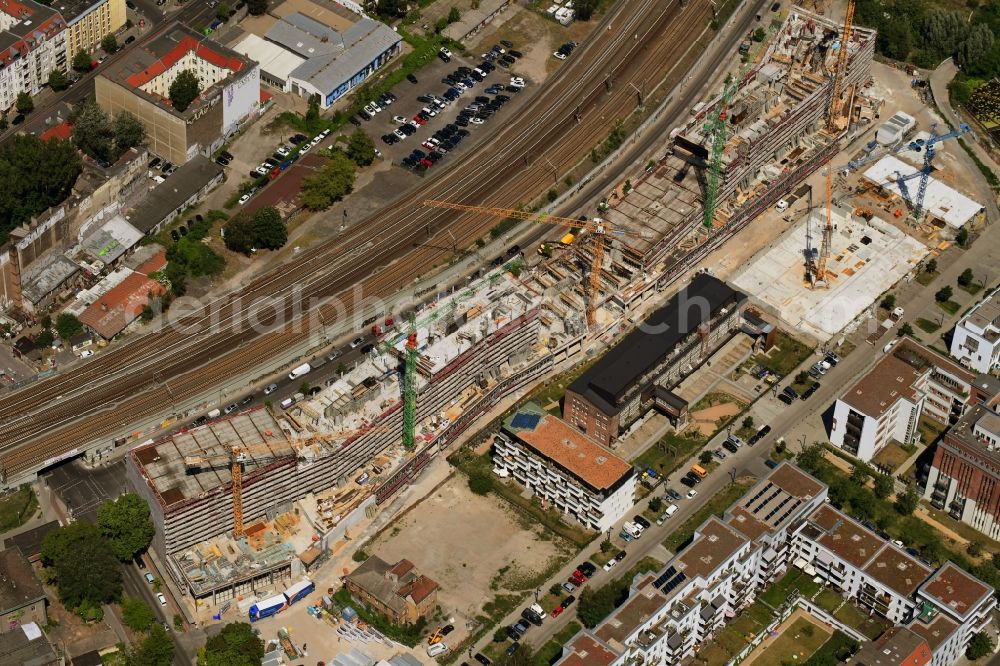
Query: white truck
(300,371)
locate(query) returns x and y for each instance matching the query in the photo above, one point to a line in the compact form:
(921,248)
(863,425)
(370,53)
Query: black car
(532,617)
(790,392)
(411,78)
(296,139)
(246,401)
(425,99)
(129,39)
(271,162)
(174,236)
(365,115)
(482,99)
(587,568)
(228,155)
(687,482)
(763,432)
(642,521)
(507,43)
(513,89)
(155,162)
(482,659)
(512,649)
(354,121)
(784,398)
(447,629)
(222,160)
(567,602)
(809,391)
(367,348)
(620,555)
(729,446)
(513,633)
(515,54)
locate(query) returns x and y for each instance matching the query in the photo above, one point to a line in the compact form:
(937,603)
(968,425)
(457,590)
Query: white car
(283,151)
(305,148)
(262,170)
(611,564)
(270,388)
(436,650)
(400,119)
(476,121)
(162,599)
(86,353)
(560,55)
(445,52)
(325,133)
(370,108)
(245,198)
(692,493)
(400,134)
(517,81)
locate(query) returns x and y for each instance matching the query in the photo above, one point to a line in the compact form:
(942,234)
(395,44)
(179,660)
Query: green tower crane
(410,387)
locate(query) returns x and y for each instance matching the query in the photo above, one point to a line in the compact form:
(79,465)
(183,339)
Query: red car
(577,578)
(556,611)
(418,120)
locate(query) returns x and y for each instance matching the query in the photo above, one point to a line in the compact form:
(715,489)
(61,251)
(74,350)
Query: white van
(436,650)
(671,510)
(300,371)
(287,402)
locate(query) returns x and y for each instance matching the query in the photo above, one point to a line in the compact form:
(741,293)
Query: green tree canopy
(596,604)
(45,338)
(883,486)
(86,570)
(129,132)
(966,277)
(361,148)
(258,7)
(980,645)
(195,257)
(58,80)
(156,649)
(330,183)
(585,9)
(184,89)
(235,645)
(125,523)
(944,294)
(109,44)
(263,230)
(222,11)
(67,325)
(36,175)
(92,131)
(907,501)
(136,614)
(81,61)
(24,103)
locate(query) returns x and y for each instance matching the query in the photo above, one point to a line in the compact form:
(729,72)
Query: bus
(699,470)
(299,591)
(268,607)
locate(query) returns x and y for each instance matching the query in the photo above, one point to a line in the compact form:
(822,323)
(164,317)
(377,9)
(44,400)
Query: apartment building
(884,405)
(88,21)
(964,477)
(32,44)
(564,467)
(783,521)
(976,342)
(638,372)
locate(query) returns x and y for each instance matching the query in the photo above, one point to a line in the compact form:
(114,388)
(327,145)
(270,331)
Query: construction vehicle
(715,130)
(435,637)
(238,455)
(597,228)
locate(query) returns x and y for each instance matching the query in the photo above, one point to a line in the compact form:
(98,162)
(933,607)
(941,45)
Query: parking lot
(473,546)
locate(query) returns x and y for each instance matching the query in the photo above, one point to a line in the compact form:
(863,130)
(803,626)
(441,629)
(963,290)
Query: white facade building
(782,521)
(565,467)
(32,44)
(884,405)
(976,342)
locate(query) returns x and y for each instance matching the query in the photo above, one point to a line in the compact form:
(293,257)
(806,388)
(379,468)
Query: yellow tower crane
(262,451)
(597,227)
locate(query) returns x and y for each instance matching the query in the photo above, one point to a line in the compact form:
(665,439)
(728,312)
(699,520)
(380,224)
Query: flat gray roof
(167,197)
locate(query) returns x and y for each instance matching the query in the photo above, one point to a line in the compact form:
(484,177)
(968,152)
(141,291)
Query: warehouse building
(638,372)
(564,467)
(140,82)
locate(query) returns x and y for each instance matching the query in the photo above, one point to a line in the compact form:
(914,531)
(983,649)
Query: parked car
(162,599)
(270,388)
(673,494)
(149,578)
(482,659)
(567,602)
(692,493)
(642,521)
(568,586)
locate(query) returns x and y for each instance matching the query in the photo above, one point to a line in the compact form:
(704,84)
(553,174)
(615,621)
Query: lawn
(554,391)
(927,326)
(971,289)
(672,451)
(17,507)
(925,278)
(929,430)
(892,456)
(828,600)
(853,616)
(951,307)
(717,505)
(735,637)
(785,356)
(553,647)
(795,643)
(794,580)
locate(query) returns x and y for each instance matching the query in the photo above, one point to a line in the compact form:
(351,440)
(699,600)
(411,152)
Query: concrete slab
(866,259)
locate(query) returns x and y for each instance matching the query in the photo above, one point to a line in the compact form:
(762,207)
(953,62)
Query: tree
(500,635)
(269,229)
(966,278)
(888,302)
(257,7)
(883,486)
(811,458)
(975,548)
(82,61)
(905,329)
(480,483)
(524,656)
(312,111)
(980,645)
(705,457)
(58,80)
(24,103)
(655,504)
(596,604)
(801,377)
(759,35)
(136,614)
(45,338)
(129,132)
(156,649)
(85,568)
(975,51)
(944,294)
(36,175)
(454,15)
(361,148)
(585,9)
(330,183)
(860,473)
(239,234)
(184,89)
(125,523)
(748,422)
(93,133)
(606,547)
(235,645)
(555,589)
(109,44)
(907,501)
(222,12)
(931,266)
(67,325)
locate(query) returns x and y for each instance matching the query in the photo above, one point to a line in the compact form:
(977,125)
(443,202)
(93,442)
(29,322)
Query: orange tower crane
(597,227)
(237,455)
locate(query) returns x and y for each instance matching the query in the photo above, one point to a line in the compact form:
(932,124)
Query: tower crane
(598,228)
(238,454)
(410,386)
(715,129)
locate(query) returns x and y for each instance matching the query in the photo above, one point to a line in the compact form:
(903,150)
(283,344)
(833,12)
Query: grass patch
(828,600)
(716,506)
(785,356)
(971,289)
(854,617)
(795,643)
(556,389)
(17,507)
(794,580)
(553,647)
(926,325)
(892,456)
(929,430)
(837,649)
(670,452)
(925,278)
(988,174)
(951,307)
(480,466)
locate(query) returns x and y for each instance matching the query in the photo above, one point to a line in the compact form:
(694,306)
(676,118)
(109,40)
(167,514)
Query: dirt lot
(474,547)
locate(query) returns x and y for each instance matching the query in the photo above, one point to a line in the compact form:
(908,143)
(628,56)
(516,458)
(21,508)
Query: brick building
(22,599)
(396,591)
(638,373)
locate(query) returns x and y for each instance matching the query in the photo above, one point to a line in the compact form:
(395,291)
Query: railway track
(142,378)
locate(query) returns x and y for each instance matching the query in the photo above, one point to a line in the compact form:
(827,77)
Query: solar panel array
(669,579)
(526,421)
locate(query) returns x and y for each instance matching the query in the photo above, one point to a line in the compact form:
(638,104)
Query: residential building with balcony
(638,373)
(976,341)
(896,647)
(782,521)
(564,467)
(882,406)
(88,21)
(964,477)
(32,44)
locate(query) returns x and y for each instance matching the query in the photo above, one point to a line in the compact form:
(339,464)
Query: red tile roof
(186,45)
(118,308)
(61,131)
(419,589)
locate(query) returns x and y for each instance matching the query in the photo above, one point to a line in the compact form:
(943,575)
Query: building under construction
(777,136)
(472,350)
